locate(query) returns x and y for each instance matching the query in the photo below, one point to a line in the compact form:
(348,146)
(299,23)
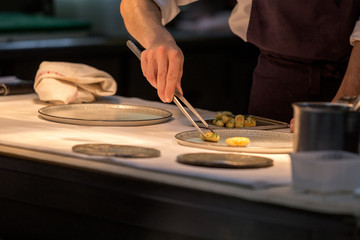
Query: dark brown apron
(304,47)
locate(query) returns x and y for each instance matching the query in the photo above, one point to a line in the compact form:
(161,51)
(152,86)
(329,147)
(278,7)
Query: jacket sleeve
(170,8)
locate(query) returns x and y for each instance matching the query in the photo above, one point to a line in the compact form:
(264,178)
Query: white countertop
(24,134)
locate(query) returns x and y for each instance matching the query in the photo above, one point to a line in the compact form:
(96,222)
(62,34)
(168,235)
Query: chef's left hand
(292,125)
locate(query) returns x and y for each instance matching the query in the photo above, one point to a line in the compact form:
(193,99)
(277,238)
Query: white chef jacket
(239,18)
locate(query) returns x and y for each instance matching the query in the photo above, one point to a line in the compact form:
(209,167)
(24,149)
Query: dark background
(28,6)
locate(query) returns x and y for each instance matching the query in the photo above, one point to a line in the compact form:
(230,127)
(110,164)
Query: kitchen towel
(64,83)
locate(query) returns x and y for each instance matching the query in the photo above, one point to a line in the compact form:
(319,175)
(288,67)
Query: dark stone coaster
(219,160)
(124,151)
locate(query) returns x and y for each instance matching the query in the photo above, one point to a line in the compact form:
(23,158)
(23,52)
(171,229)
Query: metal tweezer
(177,96)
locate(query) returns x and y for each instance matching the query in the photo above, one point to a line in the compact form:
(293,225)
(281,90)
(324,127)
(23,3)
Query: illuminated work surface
(25,135)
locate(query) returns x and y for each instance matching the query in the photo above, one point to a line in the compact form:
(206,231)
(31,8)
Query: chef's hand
(162,65)
(350,85)
(292,125)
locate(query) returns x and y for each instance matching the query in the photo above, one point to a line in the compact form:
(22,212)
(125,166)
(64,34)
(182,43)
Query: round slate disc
(220,160)
(124,151)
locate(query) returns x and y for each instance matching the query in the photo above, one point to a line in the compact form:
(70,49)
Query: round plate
(105,114)
(224,160)
(261,141)
(125,151)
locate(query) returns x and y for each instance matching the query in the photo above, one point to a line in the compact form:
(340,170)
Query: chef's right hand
(162,65)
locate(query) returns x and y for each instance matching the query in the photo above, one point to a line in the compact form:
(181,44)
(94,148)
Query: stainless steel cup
(325,126)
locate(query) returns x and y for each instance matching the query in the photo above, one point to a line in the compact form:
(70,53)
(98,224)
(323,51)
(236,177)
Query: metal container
(325,126)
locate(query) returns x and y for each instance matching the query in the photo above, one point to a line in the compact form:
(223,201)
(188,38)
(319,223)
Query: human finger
(162,71)
(174,75)
(150,67)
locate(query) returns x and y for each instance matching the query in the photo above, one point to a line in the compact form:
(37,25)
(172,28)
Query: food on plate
(229,120)
(237,141)
(250,122)
(239,120)
(210,137)
(226,118)
(218,123)
(219,115)
(230,123)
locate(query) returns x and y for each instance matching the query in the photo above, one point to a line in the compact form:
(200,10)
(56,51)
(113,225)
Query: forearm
(142,19)
(162,60)
(350,85)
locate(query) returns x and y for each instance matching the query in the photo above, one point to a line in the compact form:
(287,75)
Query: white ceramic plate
(261,141)
(105,114)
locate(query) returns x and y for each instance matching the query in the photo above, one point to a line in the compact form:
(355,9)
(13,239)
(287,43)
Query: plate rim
(223,148)
(78,121)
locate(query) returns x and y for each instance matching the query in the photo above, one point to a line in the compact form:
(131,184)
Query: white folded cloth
(64,82)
